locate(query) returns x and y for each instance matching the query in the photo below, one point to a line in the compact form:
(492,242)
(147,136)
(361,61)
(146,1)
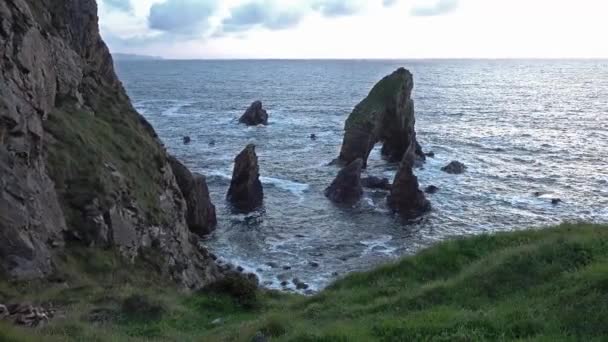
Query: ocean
(522,127)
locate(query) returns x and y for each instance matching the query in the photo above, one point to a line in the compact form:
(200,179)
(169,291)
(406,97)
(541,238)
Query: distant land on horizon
(133,57)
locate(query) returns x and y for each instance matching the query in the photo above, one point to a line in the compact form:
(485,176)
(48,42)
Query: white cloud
(378,29)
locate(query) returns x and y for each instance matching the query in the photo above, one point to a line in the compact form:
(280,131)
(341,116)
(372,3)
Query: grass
(534,285)
(109,152)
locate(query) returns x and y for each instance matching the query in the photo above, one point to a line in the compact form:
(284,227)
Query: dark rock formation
(430,154)
(76,160)
(246,193)
(200,215)
(347,188)
(454,168)
(372,182)
(406,197)
(556,201)
(187,140)
(255,115)
(431,189)
(385,115)
(26,315)
(313,137)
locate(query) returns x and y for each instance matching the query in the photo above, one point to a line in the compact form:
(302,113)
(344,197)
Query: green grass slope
(535,285)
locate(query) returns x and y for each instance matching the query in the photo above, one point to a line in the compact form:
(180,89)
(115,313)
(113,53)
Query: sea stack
(385,115)
(347,188)
(255,115)
(246,193)
(406,198)
(200,213)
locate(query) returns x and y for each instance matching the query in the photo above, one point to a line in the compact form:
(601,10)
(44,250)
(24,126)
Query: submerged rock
(556,201)
(385,115)
(431,189)
(246,193)
(200,214)
(454,168)
(313,137)
(372,182)
(255,115)
(347,188)
(187,140)
(406,197)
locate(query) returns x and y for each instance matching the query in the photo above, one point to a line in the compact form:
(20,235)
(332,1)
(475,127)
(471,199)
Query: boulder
(372,182)
(405,197)
(255,115)
(431,189)
(347,187)
(3,312)
(200,213)
(246,193)
(454,168)
(385,115)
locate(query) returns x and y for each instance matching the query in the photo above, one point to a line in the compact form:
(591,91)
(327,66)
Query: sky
(357,29)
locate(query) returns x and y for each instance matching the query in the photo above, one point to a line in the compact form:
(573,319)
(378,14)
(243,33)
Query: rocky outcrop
(385,115)
(255,115)
(77,162)
(26,315)
(200,215)
(372,182)
(246,193)
(347,187)
(454,168)
(405,197)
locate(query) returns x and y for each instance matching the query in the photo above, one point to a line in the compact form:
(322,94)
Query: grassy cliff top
(384,92)
(547,285)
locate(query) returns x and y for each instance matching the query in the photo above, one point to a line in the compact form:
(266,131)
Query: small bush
(242,289)
(142,307)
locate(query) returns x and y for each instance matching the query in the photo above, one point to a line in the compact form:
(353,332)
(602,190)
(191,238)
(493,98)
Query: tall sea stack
(77,162)
(246,193)
(386,115)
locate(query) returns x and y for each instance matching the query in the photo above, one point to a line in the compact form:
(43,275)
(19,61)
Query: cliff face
(77,163)
(385,115)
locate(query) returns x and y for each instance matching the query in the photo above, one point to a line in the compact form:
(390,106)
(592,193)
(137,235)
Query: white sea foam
(295,188)
(379,245)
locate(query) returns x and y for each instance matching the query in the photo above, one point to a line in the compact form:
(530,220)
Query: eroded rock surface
(76,160)
(347,187)
(246,193)
(406,198)
(200,215)
(255,115)
(386,115)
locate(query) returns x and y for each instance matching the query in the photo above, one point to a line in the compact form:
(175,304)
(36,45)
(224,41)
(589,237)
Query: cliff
(78,165)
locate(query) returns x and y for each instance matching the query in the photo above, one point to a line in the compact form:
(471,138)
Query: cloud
(184,17)
(389,3)
(439,8)
(337,8)
(122,5)
(263,13)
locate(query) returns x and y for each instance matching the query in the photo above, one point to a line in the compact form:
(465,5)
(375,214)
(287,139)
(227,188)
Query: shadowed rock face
(406,197)
(255,115)
(347,187)
(246,193)
(200,215)
(385,115)
(76,160)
